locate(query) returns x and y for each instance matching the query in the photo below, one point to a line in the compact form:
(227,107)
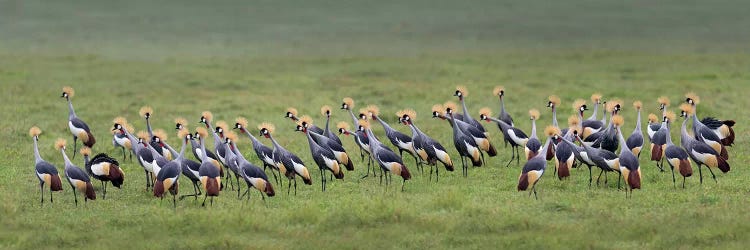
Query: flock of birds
(591,141)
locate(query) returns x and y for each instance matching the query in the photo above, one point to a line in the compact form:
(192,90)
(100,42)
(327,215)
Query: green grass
(245,60)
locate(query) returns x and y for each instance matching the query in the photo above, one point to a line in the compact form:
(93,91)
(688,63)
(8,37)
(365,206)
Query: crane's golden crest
(463,90)
(202,132)
(181,121)
(34,131)
(306,119)
(120,120)
(671,116)
(268,126)
(663,100)
(241,121)
(694,97)
(438,108)
(653,118)
(596,97)
(687,108)
(292,111)
(325,110)
(450,105)
(349,102)
(146,110)
(498,90)
(551,130)
(485,111)
(161,134)
(143,135)
(70,91)
(343,125)
(617,120)
(638,105)
(534,114)
(364,123)
(231,135)
(85,151)
(573,121)
(374,110)
(129,127)
(183,133)
(207,115)
(408,112)
(612,103)
(60,143)
(578,103)
(554,100)
(223,125)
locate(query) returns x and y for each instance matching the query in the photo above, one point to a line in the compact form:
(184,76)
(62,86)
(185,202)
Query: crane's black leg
(513,154)
(481,154)
(683,182)
(430,174)
(712,174)
(289,188)
(75,150)
(104,197)
(123,154)
(591,178)
(619,176)
(174,201)
(295,186)
(518,155)
(322,181)
(674,182)
(437,173)
(147,182)
(212,201)
(41,190)
(402,185)
(700,173)
(75,196)
(204,200)
(600,176)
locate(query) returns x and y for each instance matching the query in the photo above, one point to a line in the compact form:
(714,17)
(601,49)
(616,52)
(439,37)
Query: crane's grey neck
(544,149)
(328,120)
(65,156)
(669,135)
(252,137)
(182,150)
(37,157)
(236,152)
(385,125)
(85,160)
(354,118)
(504,125)
(554,116)
(310,140)
(148,127)
(455,124)
(638,121)
(604,117)
(502,105)
(204,155)
(467,117)
(533,128)
(374,142)
(275,144)
(133,141)
(594,113)
(623,144)
(155,153)
(71,111)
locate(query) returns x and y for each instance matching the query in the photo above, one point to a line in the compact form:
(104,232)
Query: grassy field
(249,59)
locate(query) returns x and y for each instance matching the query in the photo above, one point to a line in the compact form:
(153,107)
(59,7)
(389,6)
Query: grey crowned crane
(499,91)
(221,128)
(515,136)
(103,168)
(78,179)
(565,154)
(326,112)
(629,166)
(158,160)
(140,148)
(427,148)
(400,140)
(592,125)
(465,144)
(635,140)
(208,172)
(552,103)
(323,157)
(169,176)
(77,127)
(264,153)
(596,98)
(700,152)
(533,145)
(206,119)
(710,136)
(358,136)
(288,163)
(606,161)
(480,137)
(45,172)
(231,159)
(254,177)
(190,168)
(120,140)
(533,170)
(659,144)
(388,161)
(676,156)
(654,125)
(336,148)
(461,92)
(146,112)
